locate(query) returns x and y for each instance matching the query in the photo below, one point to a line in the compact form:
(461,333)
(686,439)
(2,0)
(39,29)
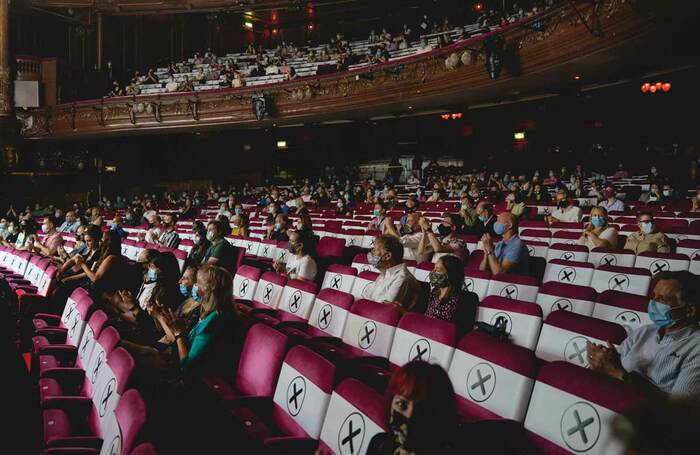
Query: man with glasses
(648,239)
(664,355)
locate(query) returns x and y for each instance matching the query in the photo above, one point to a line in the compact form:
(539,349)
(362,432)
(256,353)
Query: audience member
(300,263)
(395,285)
(410,237)
(448,300)
(566,210)
(53,238)
(510,254)
(598,234)
(610,202)
(664,355)
(448,243)
(648,239)
(220,252)
(422,415)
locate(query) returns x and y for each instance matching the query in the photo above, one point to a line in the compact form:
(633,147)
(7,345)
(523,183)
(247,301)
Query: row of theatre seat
(291,396)
(292,393)
(87,403)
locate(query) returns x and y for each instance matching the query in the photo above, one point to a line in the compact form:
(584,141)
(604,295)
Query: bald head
(509,220)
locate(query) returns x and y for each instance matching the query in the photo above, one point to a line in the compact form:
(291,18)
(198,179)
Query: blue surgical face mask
(152,275)
(184,291)
(598,221)
(195,294)
(660,314)
(499,228)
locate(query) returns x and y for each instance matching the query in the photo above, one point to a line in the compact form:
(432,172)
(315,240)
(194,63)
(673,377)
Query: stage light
(519,136)
(281,144)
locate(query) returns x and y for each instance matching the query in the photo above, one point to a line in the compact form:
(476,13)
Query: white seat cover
(296,302)
(301,399)
(500,390)
(340,430)
(522,328)
(373,337)
(550,303)
(328,317)
(408,346)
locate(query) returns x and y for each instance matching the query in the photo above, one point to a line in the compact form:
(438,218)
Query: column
(99,41)
(5,82)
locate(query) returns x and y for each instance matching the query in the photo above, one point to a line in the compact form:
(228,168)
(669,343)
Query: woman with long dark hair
(421,411)
(448,300)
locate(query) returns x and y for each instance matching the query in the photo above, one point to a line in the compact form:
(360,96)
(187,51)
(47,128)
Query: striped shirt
(169,239)
(671,362)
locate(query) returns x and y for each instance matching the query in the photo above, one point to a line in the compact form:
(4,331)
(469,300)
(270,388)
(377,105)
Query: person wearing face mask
(116,225)
(510,255)
(566,211)
(379,213)
(220,252)
(395,285)
(648,239)
(410,206)
(669,193)
(410,236)
(162,283)
(610,202)
(11,235)
(53,238)
(664,355)
(278,230)
(300,263)
(448,242)
(213,339)
(598,234)
(201,244)
(422,415)
(486,221)
(4,231)
(447,300)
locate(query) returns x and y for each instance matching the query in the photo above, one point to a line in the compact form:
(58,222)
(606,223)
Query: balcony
(545,49)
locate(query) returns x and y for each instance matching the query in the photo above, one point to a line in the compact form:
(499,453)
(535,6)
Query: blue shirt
(515,251)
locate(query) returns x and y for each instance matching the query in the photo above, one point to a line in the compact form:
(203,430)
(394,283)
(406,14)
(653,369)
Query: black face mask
(413,434)
(444,230)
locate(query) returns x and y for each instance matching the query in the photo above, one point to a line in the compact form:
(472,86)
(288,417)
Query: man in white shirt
(566,211)
(410,237)
(395,285)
